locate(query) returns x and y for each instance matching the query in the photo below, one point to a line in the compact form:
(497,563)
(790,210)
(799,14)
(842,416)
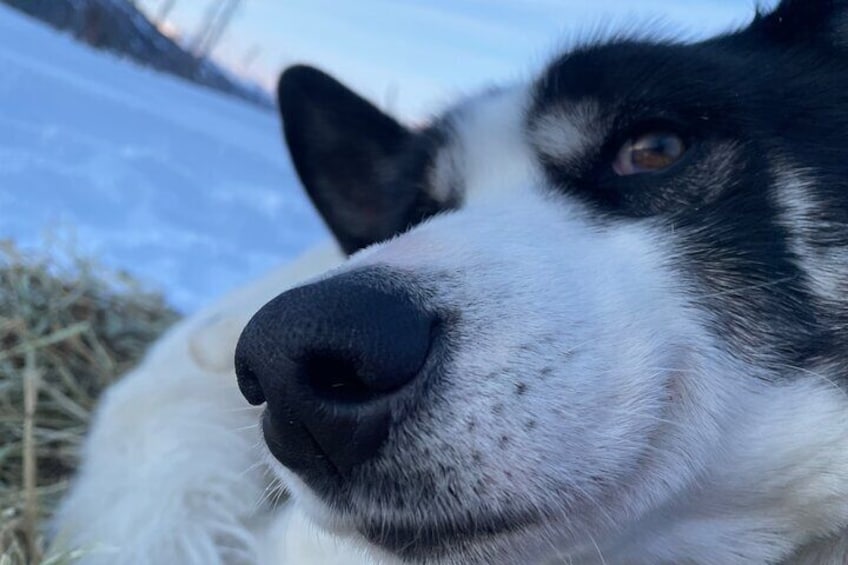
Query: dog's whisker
(744,289)
(597,549)
(812,373)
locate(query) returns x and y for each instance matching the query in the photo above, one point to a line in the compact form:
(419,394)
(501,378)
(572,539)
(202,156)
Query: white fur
(568,130)
(169,472)
(803,216)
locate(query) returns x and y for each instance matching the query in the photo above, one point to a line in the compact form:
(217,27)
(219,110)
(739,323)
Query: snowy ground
(188,189)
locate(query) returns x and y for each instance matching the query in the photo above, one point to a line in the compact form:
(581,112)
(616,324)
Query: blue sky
(414,55)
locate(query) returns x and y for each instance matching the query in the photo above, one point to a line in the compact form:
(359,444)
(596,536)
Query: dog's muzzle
(338,363)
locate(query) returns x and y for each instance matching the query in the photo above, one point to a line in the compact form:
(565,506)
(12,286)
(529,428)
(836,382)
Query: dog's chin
(308,502)
(474,540)
(450,541)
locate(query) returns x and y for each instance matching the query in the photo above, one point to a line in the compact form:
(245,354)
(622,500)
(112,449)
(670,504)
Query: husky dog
(596,318)
(614,328)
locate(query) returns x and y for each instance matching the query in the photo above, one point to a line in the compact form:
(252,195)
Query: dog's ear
(799,22)
(343,149)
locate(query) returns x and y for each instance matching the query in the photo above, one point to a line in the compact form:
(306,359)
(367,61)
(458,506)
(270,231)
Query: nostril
(336,378)
(337,361)
(248,382)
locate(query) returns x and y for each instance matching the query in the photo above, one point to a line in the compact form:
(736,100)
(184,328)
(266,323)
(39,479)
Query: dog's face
(611,321)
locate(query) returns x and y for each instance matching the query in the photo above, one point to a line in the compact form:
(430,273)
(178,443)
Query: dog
(612,330)
(594,318)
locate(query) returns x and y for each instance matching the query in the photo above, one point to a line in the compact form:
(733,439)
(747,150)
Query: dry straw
(68,328)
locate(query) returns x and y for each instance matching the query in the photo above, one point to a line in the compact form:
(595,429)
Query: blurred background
(142,170)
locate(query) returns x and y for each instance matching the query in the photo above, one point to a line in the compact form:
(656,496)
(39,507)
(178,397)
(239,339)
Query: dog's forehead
(624,74)
(484,152)
(490,141)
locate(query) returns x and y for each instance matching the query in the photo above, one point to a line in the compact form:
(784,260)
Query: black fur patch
(747,104)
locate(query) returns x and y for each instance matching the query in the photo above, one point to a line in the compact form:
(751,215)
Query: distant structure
(119,26)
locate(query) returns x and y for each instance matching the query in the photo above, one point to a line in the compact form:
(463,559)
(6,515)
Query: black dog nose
(335,361)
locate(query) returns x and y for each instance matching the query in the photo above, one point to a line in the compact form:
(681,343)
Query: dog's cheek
(557,381)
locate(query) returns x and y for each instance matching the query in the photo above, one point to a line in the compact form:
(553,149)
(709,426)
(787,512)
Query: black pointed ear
(344,149)
(812,22)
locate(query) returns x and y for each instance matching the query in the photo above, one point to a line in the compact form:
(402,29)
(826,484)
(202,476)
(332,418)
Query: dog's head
(593,310)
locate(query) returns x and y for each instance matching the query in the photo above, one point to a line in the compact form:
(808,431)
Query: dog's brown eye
(648,153)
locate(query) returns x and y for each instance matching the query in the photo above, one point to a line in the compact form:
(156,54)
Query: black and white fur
(637,369)
(643,369)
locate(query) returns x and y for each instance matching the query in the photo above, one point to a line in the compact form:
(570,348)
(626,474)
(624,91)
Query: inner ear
(347,153)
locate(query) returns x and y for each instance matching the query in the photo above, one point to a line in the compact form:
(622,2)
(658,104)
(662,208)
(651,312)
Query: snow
(187,189)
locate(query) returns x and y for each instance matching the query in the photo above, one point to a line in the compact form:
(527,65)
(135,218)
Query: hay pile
(68,328)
